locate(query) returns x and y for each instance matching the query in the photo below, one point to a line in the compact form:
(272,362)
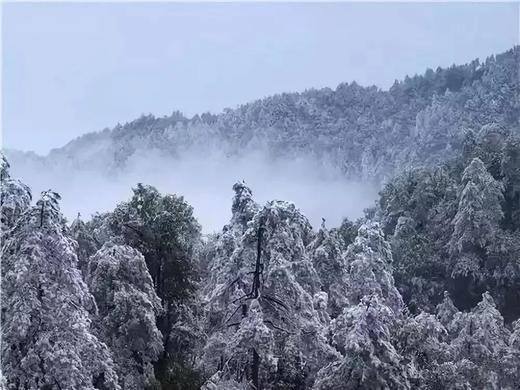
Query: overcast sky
(74,68)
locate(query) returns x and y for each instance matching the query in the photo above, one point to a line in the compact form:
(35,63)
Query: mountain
(365,132)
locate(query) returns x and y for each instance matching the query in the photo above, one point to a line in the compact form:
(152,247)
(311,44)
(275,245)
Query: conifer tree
(365,333)
(263,326)
(475,227)
(165,231)
(329,262)
(15,198)
(87,245)
(128,306)
(482,340)
(47,338)
(476,222)
(510,170)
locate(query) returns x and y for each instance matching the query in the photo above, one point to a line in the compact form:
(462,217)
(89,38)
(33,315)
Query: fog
(206,183)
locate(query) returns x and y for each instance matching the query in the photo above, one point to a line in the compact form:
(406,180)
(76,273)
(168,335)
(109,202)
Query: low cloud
(205,181)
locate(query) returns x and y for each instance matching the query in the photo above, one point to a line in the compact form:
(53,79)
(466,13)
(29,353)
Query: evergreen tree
(365,333)
(263,327)
(47,340)
(128,306)
(370,359)
(511,373)
(478,216)
(475,226)
(423,340)
(244,207)
(165,231)
(370,260)
(446,310)
(15,198)
(482,340)
(510,170)
(415,265)
(329,262)
(87,245)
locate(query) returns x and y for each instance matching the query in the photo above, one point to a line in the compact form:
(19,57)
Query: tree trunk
(255,370)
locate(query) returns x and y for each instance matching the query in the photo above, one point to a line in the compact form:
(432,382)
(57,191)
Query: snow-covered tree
(244,207)
(446,310)
(87,245)
(224,243)
(423,340)
(370,359)
(509,362)
(510,170)
(369,260)
(475,228)
(263,326)
(482,340)
(164,230)
(414,264)
(476,222)
(365,333)
(47,339)
(128,306)
(15,198)
(329,261)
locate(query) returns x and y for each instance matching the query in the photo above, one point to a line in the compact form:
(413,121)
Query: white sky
(74,68)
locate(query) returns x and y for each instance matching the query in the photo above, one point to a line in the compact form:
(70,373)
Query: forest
(422,292)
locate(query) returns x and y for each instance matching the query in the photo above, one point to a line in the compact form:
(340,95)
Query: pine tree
(510,170)
(263,326)
(446,310)
(370,359)
(244,207)
(482,340)
(414,264)
(165,231)
(15,198)
(87,245)
(475,226)
(329,262)
(509,362)
(365,333)
(370,261)
(423,340)
(128,306)
(47,340)
(478,216)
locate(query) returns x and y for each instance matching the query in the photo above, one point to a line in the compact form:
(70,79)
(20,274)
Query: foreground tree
(87,245)
(15,198)
(423,340)
(128,306)
(47,340)
(265,331)
(329,261)
(165,231)
(482,341)
(365,333)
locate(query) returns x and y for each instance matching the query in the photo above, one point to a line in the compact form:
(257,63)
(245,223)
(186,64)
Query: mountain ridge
(366,132)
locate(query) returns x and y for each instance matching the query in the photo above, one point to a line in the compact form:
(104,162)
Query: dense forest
(365,132)
(423,292)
